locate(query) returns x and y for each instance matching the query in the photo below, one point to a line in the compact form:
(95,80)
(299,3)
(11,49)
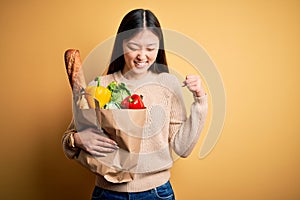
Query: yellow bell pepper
(98,92)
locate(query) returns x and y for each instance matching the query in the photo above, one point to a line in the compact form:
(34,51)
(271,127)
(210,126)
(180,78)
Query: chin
(139,71)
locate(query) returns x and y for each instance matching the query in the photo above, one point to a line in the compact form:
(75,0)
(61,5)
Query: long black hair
(134,22)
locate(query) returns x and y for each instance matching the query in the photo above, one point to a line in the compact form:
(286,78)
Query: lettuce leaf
(119,91)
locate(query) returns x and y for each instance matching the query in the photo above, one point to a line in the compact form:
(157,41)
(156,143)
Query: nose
(142,55)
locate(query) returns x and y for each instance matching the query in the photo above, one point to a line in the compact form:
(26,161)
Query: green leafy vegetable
(119,91)
(112,105)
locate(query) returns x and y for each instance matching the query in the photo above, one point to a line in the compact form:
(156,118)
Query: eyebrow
(134,43)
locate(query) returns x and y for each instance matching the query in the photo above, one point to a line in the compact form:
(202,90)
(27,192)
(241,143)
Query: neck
(133,76)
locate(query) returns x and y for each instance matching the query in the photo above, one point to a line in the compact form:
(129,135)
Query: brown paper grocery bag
(104,166)
(125,126)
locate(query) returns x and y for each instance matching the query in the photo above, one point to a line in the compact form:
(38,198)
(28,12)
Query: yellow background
(255,45)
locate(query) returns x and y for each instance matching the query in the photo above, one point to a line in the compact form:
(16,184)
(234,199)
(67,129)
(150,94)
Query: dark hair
(134,22)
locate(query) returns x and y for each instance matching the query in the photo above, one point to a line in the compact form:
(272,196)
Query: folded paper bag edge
(98,168)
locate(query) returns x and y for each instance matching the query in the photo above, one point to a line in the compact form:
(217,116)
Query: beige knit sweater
(167,128)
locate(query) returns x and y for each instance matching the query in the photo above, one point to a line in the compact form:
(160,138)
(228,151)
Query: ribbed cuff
(70,152)
(202,100)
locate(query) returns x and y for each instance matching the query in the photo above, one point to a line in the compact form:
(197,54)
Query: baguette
(76,77)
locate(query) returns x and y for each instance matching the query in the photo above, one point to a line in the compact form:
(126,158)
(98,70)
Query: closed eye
(132,48)
(150,49)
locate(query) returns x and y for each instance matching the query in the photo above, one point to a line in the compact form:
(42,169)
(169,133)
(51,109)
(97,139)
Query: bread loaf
(76,77)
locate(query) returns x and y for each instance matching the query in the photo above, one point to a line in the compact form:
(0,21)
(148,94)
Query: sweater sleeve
(185,132)
(70,152)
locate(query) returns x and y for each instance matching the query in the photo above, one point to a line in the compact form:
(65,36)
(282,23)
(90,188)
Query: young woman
(139,61)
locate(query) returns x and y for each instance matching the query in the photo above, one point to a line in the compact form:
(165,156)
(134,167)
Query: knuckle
(88,149)
(101,144)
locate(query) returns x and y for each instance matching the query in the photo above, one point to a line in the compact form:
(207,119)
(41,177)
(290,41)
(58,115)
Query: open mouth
(140,64)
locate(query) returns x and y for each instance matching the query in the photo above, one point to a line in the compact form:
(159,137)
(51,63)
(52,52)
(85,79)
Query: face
(140,53)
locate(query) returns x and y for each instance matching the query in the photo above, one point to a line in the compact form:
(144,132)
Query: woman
(139,61)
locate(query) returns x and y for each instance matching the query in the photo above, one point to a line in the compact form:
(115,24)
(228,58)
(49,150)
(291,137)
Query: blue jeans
(164,192)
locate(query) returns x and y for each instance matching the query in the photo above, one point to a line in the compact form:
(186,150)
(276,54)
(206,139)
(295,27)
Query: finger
(106,140)
(188,77)
(193,89)
(106,144)
(188,81)
(192,76)
(102,149)
(194,80)
(193,85)
(98,154)
(98,136)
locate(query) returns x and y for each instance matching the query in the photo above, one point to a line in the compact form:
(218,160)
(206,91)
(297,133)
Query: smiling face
(140,53)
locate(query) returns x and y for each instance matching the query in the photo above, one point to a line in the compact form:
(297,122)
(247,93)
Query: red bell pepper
(133,102)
